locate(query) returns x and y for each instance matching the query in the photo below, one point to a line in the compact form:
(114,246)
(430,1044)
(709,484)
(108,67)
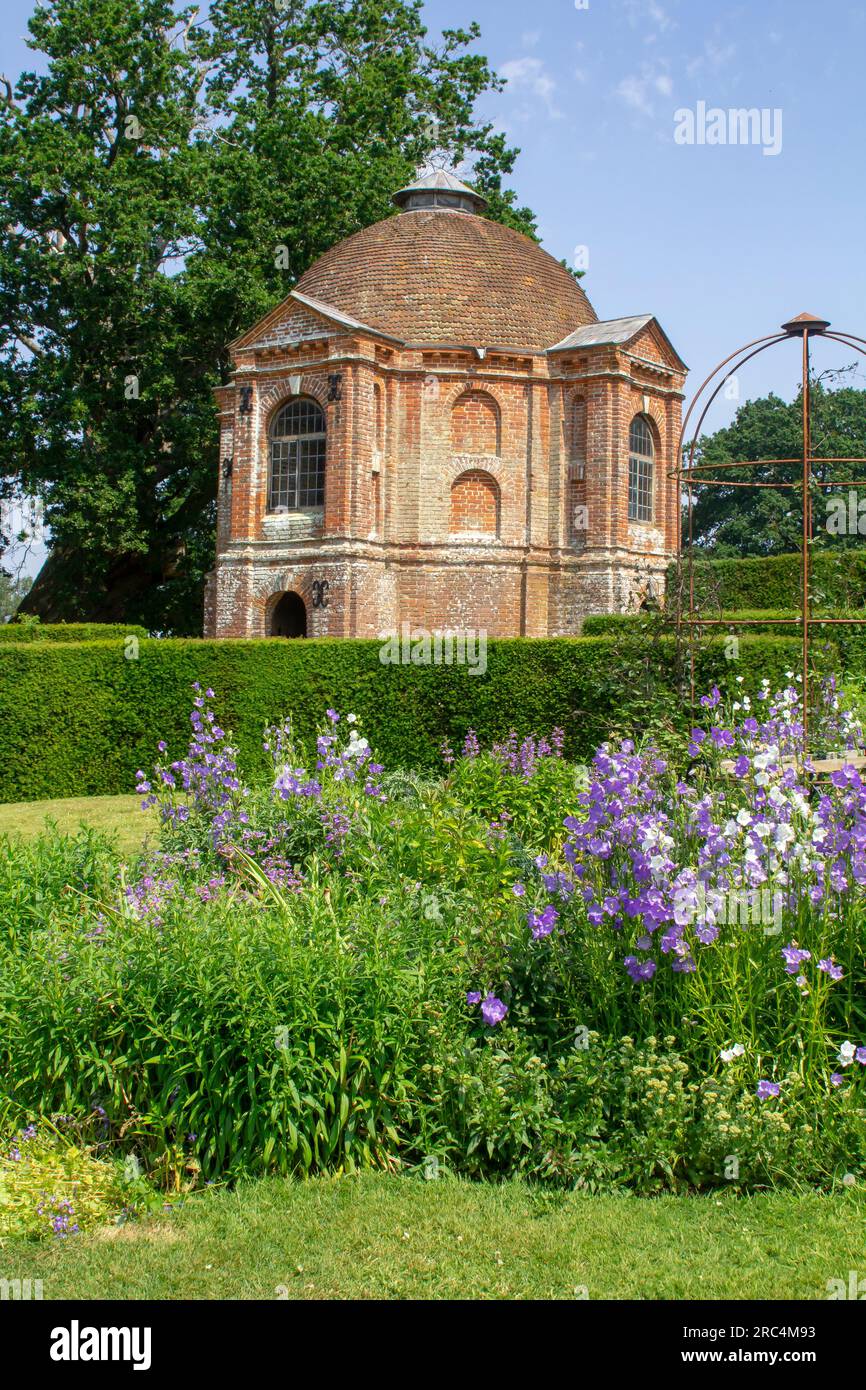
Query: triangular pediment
(300,318)
(652,342)
(631,332)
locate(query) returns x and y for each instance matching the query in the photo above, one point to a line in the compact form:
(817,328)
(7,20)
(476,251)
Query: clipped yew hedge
(838,579)
(848,644)
(79,719)
(68,632)
(611,624)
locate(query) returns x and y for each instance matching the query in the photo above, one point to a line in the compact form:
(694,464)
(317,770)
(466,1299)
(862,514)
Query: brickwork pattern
(453,474)
(475,503)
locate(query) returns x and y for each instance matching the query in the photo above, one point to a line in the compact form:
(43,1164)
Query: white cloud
(633,91)
(638,90)
(714,57)
(530,75)
(648,11)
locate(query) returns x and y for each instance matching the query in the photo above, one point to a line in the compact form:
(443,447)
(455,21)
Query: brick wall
(475,503)
(451,483)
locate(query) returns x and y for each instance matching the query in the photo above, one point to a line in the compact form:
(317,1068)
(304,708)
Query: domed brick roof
(435,275)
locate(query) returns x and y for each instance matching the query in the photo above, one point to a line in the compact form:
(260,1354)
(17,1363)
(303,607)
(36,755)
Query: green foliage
(775,581)
(327,1030)
(649,624)
(53,1184)
(12,590)
(223,1021)
(166,178)
(846,645)
(236,1039)
(79,719)
(69,632)
(767,520)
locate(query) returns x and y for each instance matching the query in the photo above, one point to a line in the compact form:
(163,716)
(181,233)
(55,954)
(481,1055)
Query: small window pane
(297,457)
(298,417)
(640,470)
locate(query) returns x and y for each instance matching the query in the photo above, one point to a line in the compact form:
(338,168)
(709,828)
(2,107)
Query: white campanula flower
(846,1053)
(728,1054)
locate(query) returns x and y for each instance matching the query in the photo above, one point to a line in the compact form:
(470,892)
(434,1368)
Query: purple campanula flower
(493,1010)
(829,967)
(542,923)
(640,970)
(793,956)
(766,1089)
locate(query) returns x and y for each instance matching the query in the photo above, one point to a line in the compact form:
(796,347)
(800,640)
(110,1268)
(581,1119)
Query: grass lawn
(118,815)
(384,1237)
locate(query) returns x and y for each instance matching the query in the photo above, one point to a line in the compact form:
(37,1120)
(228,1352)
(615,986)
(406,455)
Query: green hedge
(610,624)
(774,581)
(849,643)
(69,632)
(80,719)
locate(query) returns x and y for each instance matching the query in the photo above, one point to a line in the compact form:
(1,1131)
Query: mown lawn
(121,816)
(384,1237)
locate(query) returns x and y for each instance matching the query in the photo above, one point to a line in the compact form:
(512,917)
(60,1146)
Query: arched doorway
(289,617)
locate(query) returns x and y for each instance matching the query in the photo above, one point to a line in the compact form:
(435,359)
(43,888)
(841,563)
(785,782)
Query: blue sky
(721,242)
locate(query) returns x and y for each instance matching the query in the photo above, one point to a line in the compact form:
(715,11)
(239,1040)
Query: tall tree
(163,184)
(768,520)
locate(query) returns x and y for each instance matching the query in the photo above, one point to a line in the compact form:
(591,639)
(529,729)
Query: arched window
(577,440)
(578,517)
(297,457)
(378,418)
(641,452)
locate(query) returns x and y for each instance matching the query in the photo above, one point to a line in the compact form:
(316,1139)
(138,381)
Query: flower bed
(645,972)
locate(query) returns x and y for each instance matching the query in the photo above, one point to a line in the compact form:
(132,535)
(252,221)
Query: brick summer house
(435,429)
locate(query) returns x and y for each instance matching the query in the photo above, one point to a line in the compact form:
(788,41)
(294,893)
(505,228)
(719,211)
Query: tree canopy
(729,521)
(163,184)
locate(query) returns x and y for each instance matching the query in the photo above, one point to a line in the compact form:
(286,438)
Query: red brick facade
(480,482)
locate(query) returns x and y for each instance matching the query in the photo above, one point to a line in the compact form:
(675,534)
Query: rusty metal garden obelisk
(691,475)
